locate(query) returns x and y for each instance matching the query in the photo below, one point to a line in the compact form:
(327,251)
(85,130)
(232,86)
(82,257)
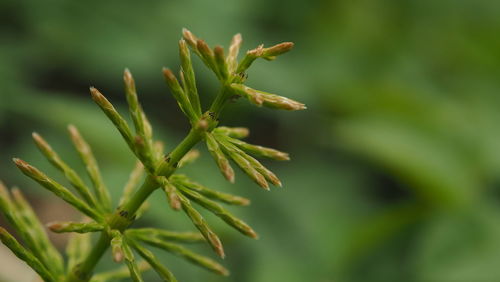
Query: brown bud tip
(183,48)
(228,171)
(39,140)
(27,169)
(230,177)
(20,163)
(219,51)
(203,47)
(281,156)
(236,39)
(253,234)
(54,226)
(189,37)
(278,49)
(286,46)
(262,182)
(169,75)
(219,249)
(36,136)
(274,179)
(96,95)
(127,76)
(186,31)
(244,202)
(221,270)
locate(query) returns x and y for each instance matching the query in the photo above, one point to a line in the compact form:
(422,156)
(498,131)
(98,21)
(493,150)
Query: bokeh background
(395,164)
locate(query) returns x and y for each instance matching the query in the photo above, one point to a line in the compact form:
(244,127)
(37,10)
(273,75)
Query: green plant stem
(125,215)
(171,162)
(220,101)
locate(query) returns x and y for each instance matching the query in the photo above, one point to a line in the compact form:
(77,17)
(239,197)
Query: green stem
(220,101)
(171,161)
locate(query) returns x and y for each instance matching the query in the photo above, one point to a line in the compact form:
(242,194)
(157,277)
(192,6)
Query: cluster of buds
(156,170)
(232,73)
(225,142)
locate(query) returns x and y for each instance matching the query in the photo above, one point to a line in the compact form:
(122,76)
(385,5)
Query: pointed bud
(220,60)
(258,150)
(188,78)
(235,132)
(234,48)
(113,115)
(278,49)
(171,193)
(56,188)
(205,51)
(78,227)
(129,81)
(169,76)
(265,53)
(247,167)
(29,170)
(189,37)
(203,227)
(183,50)
(209,193)
(179,94)
(261,98)
(220,158)
(207,56)
(220,212)
(43,145)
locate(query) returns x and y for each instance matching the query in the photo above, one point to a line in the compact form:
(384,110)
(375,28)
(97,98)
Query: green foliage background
(395,164)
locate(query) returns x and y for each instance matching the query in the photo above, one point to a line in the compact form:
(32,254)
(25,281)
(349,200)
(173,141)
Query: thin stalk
(171,161)
(220,101)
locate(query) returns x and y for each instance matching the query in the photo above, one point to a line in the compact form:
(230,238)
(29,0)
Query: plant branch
(124,215)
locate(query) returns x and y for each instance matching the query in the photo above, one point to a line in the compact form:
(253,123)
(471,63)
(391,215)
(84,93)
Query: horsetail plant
(127,243)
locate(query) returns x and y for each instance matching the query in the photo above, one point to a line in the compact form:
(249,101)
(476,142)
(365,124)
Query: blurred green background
(395,164)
